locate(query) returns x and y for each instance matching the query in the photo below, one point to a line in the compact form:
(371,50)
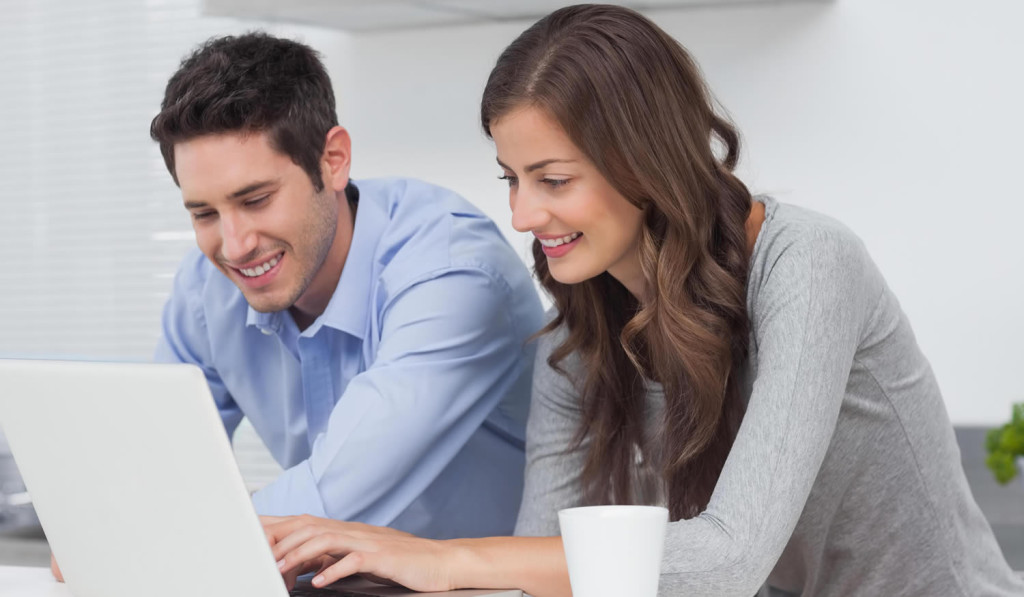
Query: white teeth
(556,242)
(259,270)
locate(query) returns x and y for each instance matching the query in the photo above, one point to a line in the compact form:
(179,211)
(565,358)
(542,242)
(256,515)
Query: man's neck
(305,317)
(302,320)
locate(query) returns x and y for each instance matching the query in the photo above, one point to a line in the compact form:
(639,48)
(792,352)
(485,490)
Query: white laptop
(136,486)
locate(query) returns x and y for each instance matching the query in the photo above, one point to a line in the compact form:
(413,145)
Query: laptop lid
(135,483)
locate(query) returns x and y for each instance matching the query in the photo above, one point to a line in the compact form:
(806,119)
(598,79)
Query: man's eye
(256,201)
(203,215)
(512,180)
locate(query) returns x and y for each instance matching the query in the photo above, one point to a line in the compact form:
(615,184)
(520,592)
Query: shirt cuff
(294,492)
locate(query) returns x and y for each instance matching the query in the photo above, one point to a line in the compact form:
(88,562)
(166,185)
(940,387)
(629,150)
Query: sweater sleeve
(807,319)
(552,469)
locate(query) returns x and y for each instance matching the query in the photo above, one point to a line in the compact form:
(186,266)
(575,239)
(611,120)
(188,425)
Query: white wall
(91,224)
(900,117)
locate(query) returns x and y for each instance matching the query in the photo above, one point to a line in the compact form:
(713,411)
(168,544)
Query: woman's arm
(809,307)
(340,549)
(534,564)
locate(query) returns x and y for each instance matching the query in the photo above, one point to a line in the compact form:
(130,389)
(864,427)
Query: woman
(739,360)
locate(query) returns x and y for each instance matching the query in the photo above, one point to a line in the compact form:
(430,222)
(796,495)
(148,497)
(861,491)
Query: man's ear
(337,158)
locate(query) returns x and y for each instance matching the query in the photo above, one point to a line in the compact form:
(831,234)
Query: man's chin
(267,309)
(264,304)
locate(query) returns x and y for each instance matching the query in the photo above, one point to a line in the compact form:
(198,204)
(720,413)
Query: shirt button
(267,331)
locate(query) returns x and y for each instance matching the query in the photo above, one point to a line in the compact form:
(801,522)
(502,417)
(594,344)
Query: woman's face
(584,225)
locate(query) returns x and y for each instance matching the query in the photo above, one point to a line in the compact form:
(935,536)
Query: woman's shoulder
(548,342)
(803,238)
(799,250)
(787,224)
(556,385)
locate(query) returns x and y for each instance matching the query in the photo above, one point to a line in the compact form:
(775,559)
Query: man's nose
(239,239)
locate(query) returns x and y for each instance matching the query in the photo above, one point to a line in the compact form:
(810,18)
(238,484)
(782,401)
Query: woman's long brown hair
(631,98)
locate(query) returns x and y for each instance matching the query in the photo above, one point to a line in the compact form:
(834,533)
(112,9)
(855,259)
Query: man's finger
(55,569)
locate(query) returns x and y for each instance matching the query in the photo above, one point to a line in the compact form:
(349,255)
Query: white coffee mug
(614,551)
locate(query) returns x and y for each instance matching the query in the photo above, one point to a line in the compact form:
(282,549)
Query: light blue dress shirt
(404,403)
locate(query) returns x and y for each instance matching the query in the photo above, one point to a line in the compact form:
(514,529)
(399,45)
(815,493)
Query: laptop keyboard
(314,592)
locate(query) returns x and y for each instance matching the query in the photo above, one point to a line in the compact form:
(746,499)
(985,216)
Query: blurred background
(902,118)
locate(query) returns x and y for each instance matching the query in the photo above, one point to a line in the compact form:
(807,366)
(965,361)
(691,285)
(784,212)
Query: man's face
(258,218)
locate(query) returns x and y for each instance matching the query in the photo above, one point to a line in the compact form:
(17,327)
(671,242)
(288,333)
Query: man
(373,332)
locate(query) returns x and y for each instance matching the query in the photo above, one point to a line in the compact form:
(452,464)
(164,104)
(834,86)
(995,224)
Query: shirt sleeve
(184,339)
(448,353)
(807,322)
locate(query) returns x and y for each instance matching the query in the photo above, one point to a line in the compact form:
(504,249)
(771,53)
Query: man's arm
(184,339)
(450,350)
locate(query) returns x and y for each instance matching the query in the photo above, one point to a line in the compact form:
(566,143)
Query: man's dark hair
(250,83)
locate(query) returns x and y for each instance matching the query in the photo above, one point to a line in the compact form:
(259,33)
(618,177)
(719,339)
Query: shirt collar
(268,323)
(349,306)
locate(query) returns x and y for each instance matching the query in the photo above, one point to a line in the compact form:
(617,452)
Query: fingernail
(318,580)
(280,564)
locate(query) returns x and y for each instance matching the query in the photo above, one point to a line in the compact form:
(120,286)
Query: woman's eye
(555,182)
(512,180)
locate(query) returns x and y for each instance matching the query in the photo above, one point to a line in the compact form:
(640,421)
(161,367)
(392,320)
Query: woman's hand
(337,549)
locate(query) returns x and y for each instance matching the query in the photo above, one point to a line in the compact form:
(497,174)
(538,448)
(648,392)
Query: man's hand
(55,568)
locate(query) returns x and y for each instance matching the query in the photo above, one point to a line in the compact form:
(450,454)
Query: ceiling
(374,15)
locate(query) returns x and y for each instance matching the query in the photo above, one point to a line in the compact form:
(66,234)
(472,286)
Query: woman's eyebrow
(542,163)
(537,165)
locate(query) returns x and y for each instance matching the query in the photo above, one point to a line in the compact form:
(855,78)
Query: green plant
(1004,445)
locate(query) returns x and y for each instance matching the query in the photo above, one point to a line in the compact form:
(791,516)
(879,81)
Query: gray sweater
(845,476)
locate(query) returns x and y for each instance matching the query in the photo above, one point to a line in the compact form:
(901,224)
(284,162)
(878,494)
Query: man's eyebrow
(242,192)
(251,188)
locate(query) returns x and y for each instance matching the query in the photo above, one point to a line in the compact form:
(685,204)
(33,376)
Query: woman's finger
(287,543)
(294,532)
(291,576)
(315,546)
(277,527)
(415,564)
(352,563)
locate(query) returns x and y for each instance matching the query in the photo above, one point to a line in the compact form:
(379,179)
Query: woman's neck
(753,225)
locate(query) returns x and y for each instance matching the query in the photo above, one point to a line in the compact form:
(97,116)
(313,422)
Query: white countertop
(24,581)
